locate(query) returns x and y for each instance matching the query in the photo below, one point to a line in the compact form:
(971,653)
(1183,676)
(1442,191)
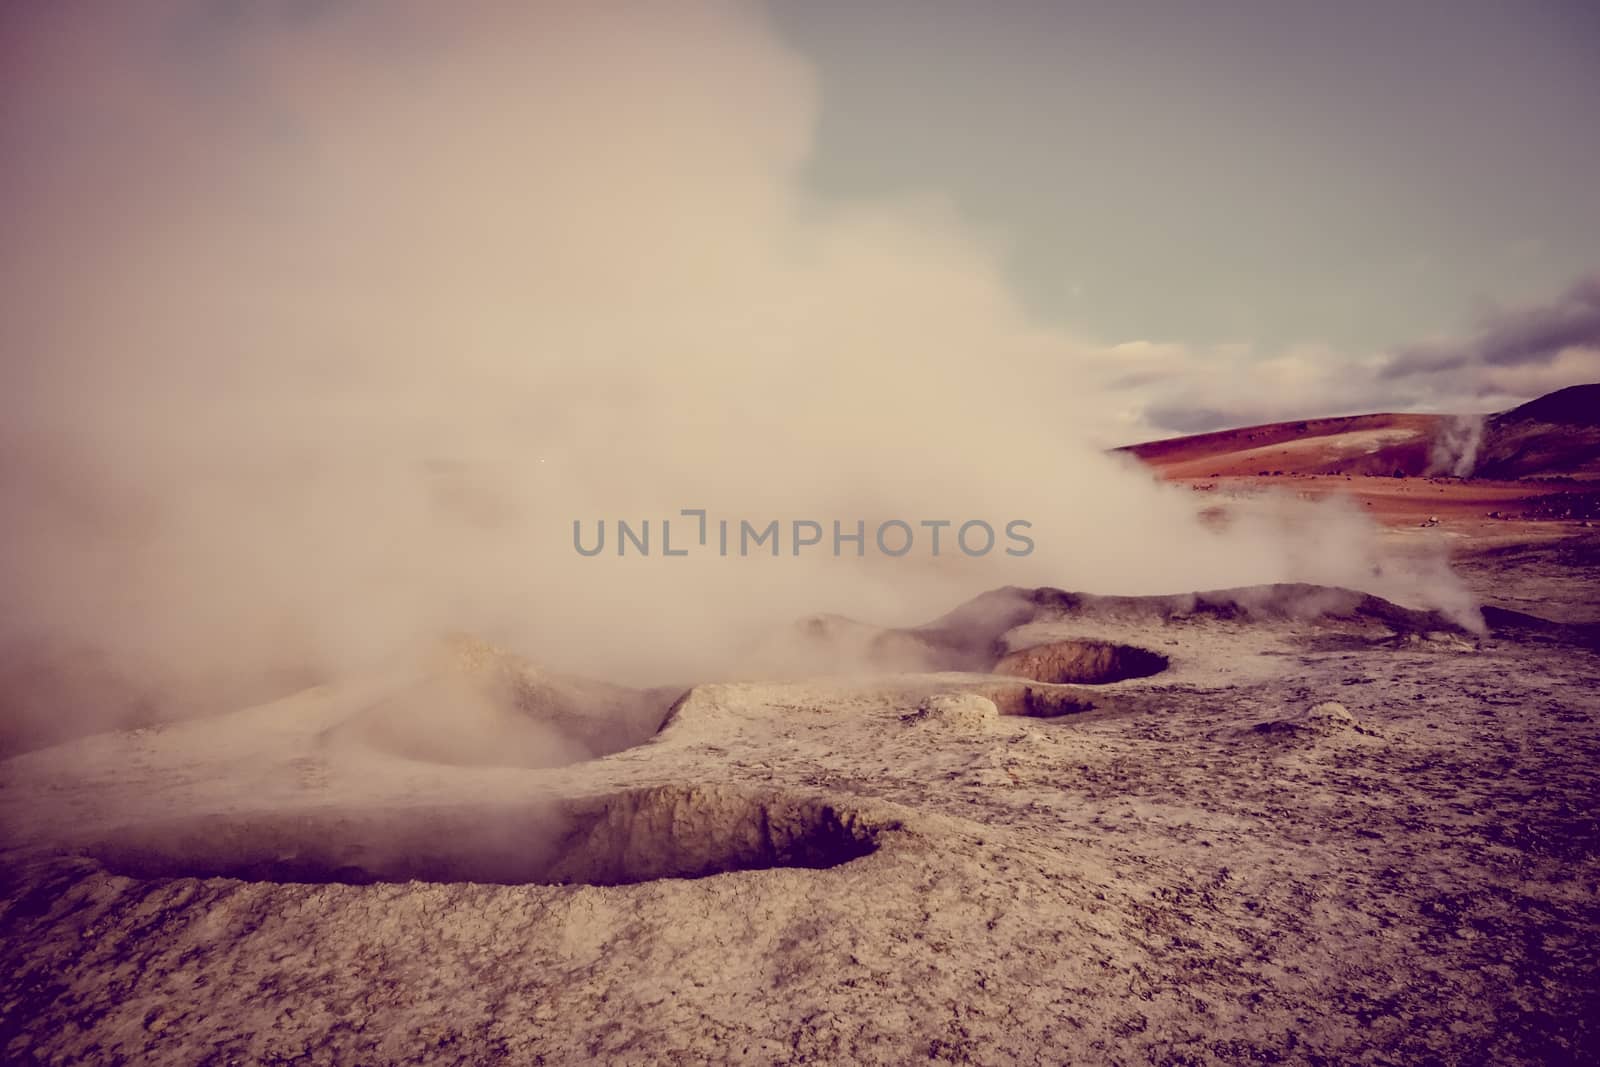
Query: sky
(1292,187)
(1224,213)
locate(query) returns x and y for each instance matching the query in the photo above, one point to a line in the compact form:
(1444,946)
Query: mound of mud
(1278,602)
(53,691)
(1322,720)
(481,706)
(972,639)
(1080,662)
(618,839)
(836,644)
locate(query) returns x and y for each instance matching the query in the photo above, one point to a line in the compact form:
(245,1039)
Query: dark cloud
(1529,335)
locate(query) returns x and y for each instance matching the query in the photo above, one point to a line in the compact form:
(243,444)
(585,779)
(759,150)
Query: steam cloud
(324,322)
(1455,450)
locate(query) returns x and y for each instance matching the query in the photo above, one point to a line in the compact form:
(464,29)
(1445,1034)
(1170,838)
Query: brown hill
(1576,405)
(1355,444)
(1555,435)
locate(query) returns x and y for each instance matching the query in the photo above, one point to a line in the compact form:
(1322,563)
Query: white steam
(322,336)
(1455,450)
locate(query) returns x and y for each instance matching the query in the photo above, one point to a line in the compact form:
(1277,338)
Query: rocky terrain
(1282,824)
(1555,434)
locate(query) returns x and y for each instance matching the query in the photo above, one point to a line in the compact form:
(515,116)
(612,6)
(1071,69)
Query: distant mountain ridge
(1556,435)
(1576,405)
(1559,433)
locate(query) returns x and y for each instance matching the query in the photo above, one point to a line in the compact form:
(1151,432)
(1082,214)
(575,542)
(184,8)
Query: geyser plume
(323,323)
(1455,450)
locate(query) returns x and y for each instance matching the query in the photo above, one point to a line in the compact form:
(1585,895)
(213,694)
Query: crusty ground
(1212,865)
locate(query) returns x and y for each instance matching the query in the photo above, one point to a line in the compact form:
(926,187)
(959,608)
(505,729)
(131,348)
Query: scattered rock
(1578,506)
(1434,641)
(964,710)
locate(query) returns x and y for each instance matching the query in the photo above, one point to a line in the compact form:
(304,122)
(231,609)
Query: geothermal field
(1279,823)
(775,532)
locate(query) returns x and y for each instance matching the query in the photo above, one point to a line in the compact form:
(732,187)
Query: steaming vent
(484,707)
(620,839)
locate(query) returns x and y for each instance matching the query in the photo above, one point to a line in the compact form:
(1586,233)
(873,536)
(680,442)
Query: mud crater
(619,839)
(1082,662)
